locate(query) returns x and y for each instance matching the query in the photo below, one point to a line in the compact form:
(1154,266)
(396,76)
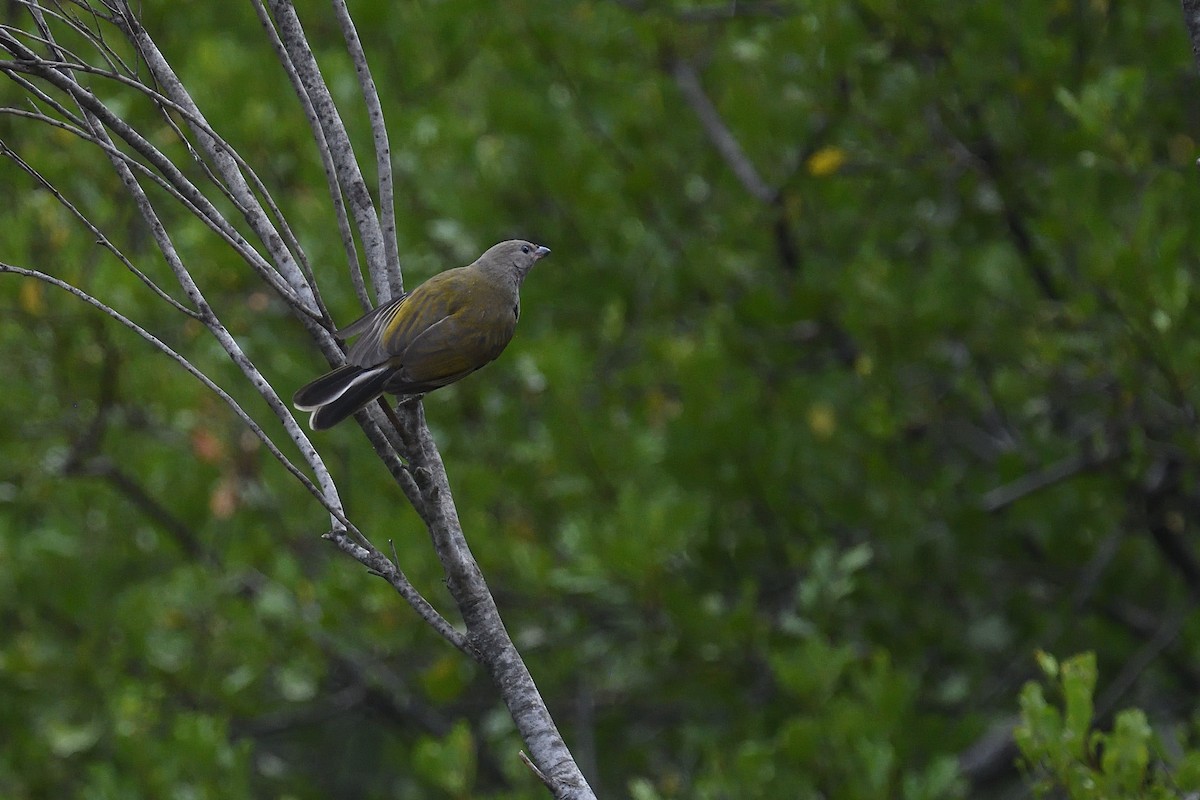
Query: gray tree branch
(349,176)
(718,132)
(1191,18)
(44,71)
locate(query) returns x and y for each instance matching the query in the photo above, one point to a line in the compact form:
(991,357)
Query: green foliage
(774,496)
(1063,752)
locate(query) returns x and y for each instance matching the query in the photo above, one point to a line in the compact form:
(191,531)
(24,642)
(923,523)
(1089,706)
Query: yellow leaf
(826,161)
(822,420)
(33,300)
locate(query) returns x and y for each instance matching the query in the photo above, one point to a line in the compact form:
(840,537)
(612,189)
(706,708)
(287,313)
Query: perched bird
(445,329)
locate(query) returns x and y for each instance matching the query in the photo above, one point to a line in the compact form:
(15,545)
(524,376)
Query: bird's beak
(540,253)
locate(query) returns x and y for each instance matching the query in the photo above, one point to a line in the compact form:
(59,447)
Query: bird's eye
(524,248)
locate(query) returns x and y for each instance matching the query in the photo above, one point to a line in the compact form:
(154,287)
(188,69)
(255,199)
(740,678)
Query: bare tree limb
(487,638)
(718,132)
(101,239)
(191,369)
(221,155)
(331,180)
(29,63)
(1064,469)
(380,565)
(398,435)
(383,151)
(349,176)
(1191,18)
(361,550)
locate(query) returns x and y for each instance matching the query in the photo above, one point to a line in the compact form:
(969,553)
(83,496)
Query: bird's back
(451,325)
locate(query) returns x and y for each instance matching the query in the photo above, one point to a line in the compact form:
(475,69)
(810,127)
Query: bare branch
(192,370)
(1191,18)
(221,155)
(718,132)
(331,181)
(226,340)
(101,239)
(349,177)
(207,212)
(1003,496)
(487,639)
(383,151)
(215,222)
(395,435)
(355,544)
(95,37)
(385,568)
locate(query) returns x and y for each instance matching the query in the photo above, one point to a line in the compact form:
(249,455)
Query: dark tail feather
(313,395)
(334,396)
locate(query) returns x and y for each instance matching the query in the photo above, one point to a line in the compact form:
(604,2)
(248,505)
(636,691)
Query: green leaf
(1127,751)
(1078,683)
(447,762)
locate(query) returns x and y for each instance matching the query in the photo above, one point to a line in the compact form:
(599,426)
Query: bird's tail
(338,394)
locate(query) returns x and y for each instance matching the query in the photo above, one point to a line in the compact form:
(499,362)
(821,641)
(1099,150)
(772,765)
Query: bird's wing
(386,332)
(387,337)
(370,328)
(453,347)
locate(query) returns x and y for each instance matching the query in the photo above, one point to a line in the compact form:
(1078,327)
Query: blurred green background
(779,497)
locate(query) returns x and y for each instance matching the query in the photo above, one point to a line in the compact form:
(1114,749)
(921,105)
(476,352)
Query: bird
(451,325)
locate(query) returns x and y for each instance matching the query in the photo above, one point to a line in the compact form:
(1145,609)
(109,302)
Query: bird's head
(514,257)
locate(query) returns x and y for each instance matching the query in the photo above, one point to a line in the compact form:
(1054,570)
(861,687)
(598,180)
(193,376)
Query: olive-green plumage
(445,329)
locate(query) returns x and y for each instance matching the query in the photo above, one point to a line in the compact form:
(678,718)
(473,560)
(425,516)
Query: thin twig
(101,239)
(225,163)
(541,776)
(221,333)
(192,370)
(89,102)
(380,565)
(718,132)
(349,176)
(1064,469)
(186,196)
(383,151)
(335,193)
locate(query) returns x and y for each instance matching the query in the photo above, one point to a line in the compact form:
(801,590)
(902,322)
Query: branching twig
(101,239)
(395,436)
(89,103)
(192,370)
(335,193)
(383,151)
(378,563)
(349,176)
(221,155)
